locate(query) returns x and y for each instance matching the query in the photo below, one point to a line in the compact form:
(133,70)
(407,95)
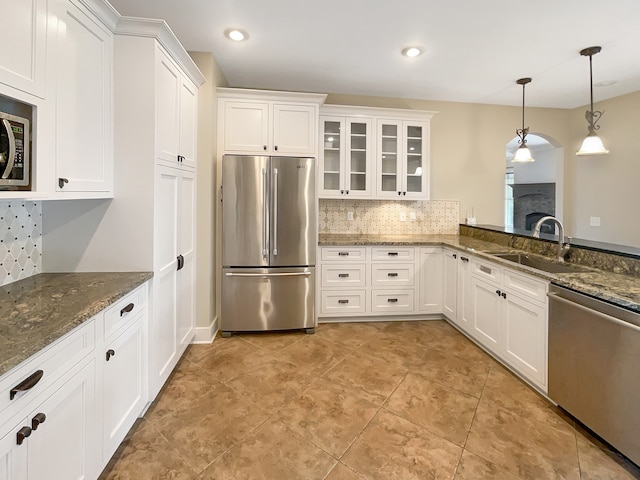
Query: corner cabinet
(261,122)
(374,153)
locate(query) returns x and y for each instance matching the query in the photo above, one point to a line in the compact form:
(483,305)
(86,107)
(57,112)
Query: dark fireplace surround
(531,202)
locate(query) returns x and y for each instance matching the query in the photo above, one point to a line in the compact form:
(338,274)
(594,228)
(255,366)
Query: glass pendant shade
(592,145)
(523,155)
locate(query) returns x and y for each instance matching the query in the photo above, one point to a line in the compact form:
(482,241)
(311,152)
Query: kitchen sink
(539,263)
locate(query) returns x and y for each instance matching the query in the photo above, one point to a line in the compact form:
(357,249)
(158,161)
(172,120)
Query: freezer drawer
(260,299)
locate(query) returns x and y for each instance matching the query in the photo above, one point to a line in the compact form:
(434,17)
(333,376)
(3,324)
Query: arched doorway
(533,190)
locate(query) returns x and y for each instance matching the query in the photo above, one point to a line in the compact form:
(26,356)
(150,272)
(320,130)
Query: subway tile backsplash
(20,240)
(384,216)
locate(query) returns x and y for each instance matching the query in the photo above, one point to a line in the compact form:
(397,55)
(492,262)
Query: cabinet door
(388,154)
(188,123)
(525,338)
(332,158)
(63,446)
(486,314)
(415,168)
(246,127)
(358,157)
(168,91)
(122,392)
(163,340)
(186,248)
(23,36)
(294,130)
(13,457)
(450,284)
(431,285)
(465,304)
(84,102)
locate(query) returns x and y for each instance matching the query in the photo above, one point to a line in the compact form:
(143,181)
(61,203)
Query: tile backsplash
(383,216)
(20,240)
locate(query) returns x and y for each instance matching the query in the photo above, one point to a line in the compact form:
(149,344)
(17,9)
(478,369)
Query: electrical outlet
(349,215)
(594,221)
(403,216)
(412,216)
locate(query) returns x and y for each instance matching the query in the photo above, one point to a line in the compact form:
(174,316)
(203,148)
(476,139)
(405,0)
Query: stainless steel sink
(540,263)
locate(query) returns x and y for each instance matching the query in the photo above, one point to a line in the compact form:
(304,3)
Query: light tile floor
(401,400)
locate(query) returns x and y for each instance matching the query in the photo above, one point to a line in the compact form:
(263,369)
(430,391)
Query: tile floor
(400,400)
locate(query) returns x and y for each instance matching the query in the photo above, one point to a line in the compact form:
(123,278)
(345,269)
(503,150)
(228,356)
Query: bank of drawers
(367,280)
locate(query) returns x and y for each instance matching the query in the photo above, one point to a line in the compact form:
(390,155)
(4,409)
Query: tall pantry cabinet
(156,122)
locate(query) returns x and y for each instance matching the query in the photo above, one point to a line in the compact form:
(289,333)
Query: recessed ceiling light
(236,35)
(412,51)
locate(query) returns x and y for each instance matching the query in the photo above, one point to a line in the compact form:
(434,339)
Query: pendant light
(592,145)
(523,154)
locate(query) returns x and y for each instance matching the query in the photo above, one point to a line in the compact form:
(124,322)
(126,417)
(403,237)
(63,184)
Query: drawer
(398,274)
(529,287)
(341,303)
(53,361)
(349,275)
(391,301)
(486,270)
(345,254)
(402,254)
(120,314)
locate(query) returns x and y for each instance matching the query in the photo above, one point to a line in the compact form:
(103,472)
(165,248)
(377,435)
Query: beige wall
(468,145)
(606,186)
(206,283)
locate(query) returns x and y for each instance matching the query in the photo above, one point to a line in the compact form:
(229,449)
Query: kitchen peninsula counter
(38,310)
(615,288)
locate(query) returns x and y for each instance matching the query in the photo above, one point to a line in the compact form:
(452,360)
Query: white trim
(368,318)
(386,113)
(205,335)
(247,94)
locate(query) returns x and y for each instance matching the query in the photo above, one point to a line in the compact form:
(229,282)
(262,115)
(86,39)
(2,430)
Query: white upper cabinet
(402,159)
(83,102)
(23,36)
(345,157)
(260,122)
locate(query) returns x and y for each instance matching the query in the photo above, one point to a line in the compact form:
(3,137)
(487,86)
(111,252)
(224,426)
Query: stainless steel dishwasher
(594,366)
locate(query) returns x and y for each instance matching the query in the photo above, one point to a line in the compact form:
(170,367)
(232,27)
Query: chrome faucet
(563,248)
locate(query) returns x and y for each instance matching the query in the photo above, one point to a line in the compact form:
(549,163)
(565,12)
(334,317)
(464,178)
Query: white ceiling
(474,50)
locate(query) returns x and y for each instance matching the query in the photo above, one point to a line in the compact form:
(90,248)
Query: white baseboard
(205,335)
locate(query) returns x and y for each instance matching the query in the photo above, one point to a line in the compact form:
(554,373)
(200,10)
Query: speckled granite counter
(38,310)
(618,289)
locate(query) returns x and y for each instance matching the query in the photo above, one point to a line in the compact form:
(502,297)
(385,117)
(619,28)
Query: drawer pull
(392,300)
(110,353)
(126,309)
(464,259)
(392,254)
(454,255)
(23,433)
(37,420)
(343,301)
(27,384)
(343,275)
(392,274)
(486,270)
(343,254)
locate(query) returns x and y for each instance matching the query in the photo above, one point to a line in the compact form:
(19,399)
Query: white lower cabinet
(432,288)
(486,308)
(449,283)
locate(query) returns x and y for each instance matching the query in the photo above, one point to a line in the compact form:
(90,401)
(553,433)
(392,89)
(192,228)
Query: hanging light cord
(522,133)
(592,115)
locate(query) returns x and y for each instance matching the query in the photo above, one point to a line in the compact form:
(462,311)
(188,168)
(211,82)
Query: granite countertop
(38,310)
(618,289)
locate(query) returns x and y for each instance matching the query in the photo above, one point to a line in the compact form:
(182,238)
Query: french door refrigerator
(268,243)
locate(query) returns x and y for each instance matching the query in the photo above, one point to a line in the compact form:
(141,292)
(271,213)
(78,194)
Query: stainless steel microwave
(14,151)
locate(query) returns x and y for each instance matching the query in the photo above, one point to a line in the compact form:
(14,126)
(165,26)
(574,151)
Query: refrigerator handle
(264,213)
(268,275)
(275,211)
(12,148)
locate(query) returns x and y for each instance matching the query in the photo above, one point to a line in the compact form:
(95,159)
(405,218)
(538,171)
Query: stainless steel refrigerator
(268,243)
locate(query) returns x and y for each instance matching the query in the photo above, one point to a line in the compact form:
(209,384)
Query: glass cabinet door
(358,157)
(414,159)
(388,155)
(331,156)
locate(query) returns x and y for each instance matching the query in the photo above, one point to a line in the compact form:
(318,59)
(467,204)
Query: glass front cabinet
(345,157)
(402,159)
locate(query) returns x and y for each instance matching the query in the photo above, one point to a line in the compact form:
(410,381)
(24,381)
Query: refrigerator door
(259,299)
(293,204)
(245,212)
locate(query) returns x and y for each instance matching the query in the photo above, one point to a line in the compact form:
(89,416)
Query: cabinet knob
(455,256)
(62,181)
(504,295)
(180,259)
(404,193)
(347,192)
(23,433)
(399,193)
(264,147)
(37,420)
(276,148)
(110,353)
(341,192)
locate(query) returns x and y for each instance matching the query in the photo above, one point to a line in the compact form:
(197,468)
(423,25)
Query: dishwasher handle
(555,297)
